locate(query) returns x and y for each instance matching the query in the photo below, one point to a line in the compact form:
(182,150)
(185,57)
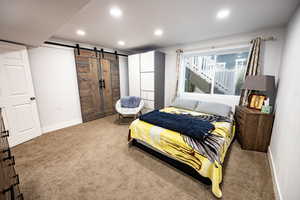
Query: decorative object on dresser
(254,128)
(260,87)
(9,180)
(98,83)
(147,78)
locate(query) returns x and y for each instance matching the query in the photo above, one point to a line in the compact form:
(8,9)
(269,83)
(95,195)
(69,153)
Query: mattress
(182,148)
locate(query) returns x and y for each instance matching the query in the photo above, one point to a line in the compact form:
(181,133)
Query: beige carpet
(93,161)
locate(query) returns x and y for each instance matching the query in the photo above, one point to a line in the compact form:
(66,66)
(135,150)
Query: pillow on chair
(213,108)
(188,104)
(130,102)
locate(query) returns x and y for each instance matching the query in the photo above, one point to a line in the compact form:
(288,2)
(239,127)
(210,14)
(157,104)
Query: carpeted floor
(93,161)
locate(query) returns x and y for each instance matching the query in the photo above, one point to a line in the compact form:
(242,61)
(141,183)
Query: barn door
(17,98)
(98,83)
(88,75)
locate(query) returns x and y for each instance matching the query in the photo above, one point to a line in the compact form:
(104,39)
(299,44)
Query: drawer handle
(6,150)
(8,155)
(6,134)
(10,189)
(12,161)
(18,180)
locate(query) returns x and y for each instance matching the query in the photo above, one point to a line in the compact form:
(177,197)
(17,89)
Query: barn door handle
(100,84)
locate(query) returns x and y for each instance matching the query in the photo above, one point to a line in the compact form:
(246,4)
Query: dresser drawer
(240,114)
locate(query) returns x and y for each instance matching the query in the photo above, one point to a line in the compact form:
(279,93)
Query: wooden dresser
(254,128)
(9,180)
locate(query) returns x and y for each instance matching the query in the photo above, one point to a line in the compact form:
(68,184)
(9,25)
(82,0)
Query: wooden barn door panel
(107,91)
(115,80)
(88,84)
(110,70)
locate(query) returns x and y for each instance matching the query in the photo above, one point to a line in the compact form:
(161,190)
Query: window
(220,72)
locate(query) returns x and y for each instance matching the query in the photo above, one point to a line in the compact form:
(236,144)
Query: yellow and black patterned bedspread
(185,149)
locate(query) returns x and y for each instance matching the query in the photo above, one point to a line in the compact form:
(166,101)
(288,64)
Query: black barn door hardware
(77,47)
(102,53)
(83,48)
(96,52)
(116,55)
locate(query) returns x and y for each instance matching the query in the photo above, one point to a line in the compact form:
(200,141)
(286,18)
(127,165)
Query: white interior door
(17,95)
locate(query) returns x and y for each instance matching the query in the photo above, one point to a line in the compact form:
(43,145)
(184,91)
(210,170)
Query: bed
(205,157)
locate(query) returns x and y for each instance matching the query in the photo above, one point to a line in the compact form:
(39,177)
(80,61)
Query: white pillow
(213,108)
(188,104)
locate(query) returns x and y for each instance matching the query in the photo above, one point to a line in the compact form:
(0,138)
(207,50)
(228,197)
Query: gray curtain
(253,67)
(178,62)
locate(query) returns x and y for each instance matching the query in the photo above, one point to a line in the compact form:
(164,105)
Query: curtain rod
(83,48)
(270,38)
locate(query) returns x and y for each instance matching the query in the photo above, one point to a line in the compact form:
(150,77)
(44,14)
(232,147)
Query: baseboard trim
(61,125)
(276,187)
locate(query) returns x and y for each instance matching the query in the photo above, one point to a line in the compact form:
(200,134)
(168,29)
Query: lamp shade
(260,83)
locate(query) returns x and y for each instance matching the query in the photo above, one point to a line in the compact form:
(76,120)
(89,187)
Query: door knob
(32,98)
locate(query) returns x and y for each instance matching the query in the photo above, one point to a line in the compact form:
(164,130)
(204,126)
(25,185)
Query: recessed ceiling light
(158,32)
(121,43)
(116,12)
(80,32)
(222,14)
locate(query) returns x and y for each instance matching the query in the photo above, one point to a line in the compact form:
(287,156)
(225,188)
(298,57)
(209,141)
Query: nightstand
(254,128)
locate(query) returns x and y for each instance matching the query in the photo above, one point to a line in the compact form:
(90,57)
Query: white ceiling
(183,21)
(34,21)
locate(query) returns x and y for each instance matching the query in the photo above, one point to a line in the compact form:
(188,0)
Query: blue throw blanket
(130,102)
(184,124)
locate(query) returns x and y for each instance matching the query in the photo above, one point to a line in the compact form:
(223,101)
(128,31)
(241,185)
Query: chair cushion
(130,102)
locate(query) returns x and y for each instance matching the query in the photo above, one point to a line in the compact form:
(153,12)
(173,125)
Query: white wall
(285,149)
(55,83)
(123,71)
(272,51)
